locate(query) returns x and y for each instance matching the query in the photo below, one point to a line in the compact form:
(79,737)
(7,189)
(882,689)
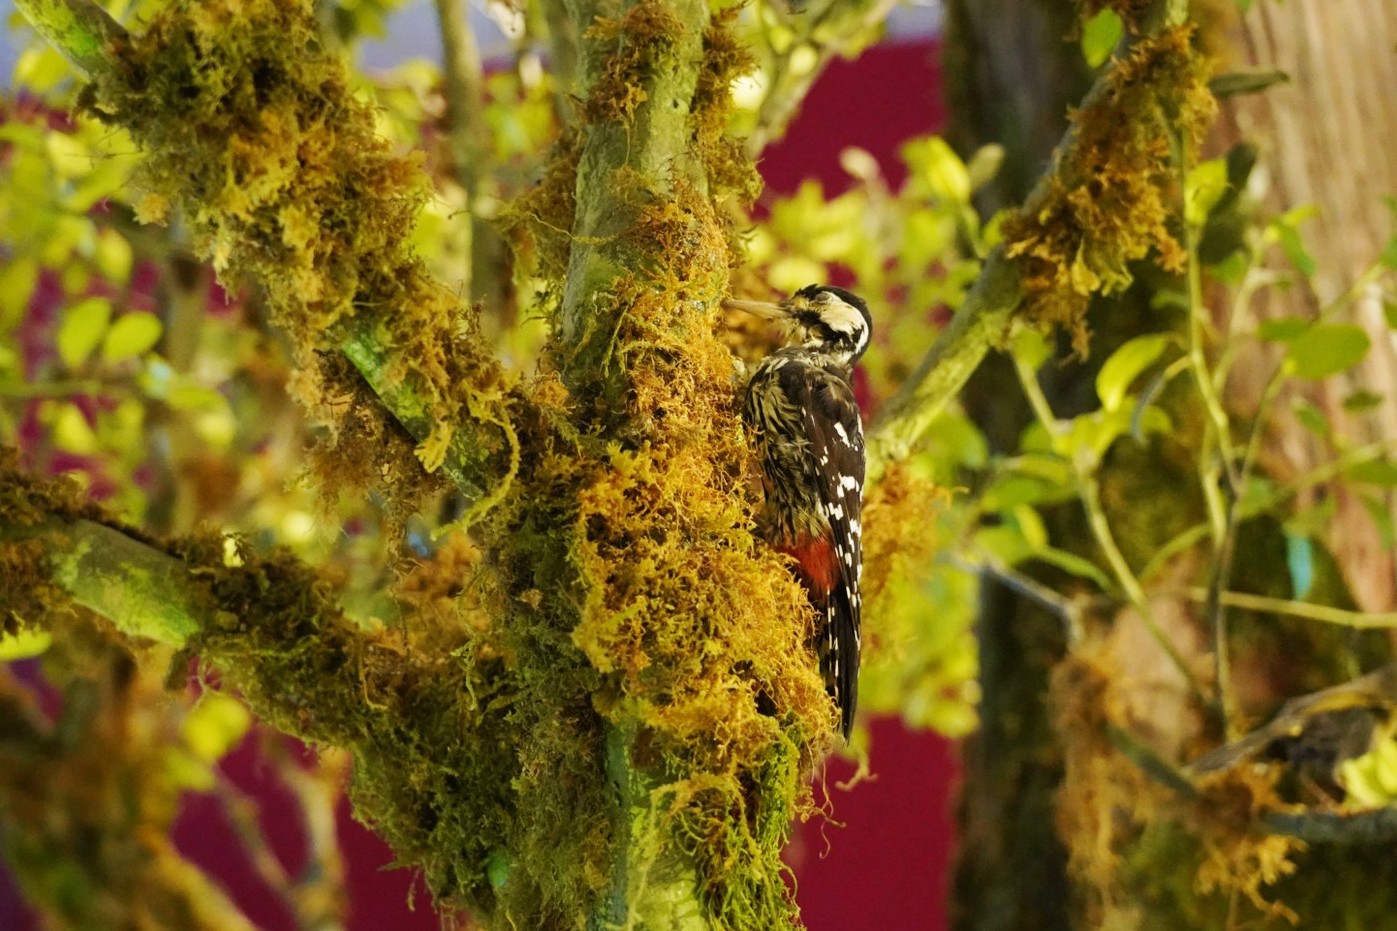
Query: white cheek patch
(841,317)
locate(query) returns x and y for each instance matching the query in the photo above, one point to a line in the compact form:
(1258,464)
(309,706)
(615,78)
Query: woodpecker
(801,412)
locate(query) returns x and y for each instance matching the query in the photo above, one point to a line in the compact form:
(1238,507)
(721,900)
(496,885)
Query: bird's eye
(824,297)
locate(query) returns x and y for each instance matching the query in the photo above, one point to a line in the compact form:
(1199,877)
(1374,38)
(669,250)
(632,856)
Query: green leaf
(72,433)
(18,279)
(24,645)
(1362,401)
(214,726)
(1282,330)
(1076,565)
(1312,419)
(1329,348)
(40,69)
(1370,780)
(1100,36)
(1389,313)
(1382,518)
(1031,347)
(190,397)
(114,256)
(984,165)
(131,335)
(1377,472)
(944,172)
(1246,81)
(84,325)
(1206,185)
(1287,231)
(1300,560)
(185,772)
(1005,543)
(1011,490)
(1125,365)
(1031,525)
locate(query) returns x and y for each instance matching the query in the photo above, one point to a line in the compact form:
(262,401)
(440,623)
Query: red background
(881,864)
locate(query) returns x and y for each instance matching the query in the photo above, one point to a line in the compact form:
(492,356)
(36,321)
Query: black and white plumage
(805,422)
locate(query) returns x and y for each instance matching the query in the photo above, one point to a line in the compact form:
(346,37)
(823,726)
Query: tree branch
(80,29)
(142,591)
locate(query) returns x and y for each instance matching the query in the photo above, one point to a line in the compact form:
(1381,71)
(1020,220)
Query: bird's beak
(764,309)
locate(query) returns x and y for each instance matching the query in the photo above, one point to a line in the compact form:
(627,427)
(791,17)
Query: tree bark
(1328,138)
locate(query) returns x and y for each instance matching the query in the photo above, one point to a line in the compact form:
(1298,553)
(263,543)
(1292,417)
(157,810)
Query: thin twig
(1222,514)
(1327,614)
(1068,610)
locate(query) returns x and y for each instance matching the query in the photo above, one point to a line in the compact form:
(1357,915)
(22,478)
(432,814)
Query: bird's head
(823,318)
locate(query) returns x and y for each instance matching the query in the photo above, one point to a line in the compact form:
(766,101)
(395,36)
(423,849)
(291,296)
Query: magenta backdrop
(885,869)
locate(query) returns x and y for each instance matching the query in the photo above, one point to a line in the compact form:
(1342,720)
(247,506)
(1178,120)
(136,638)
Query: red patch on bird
(818,564)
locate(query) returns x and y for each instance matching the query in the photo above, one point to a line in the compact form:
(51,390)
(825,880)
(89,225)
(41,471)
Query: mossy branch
(84,32)
(639,77)
(142,591)
(994,303)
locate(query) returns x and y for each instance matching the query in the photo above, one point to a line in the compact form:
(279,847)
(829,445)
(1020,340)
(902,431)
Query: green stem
(1357,620)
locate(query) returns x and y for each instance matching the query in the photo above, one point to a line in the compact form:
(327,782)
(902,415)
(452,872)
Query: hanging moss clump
(1112,196)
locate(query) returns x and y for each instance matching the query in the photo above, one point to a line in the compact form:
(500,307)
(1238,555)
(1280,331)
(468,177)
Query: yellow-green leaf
(1100,36)
(131,335)
(1125,365)
(113,256)
(1329,348)
(1206,185)
(18,278)
(945,172)
(84,325)
(215,725)
(72,433)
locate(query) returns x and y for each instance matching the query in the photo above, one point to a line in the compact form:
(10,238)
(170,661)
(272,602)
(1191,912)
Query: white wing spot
(839,428)
(849,482)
